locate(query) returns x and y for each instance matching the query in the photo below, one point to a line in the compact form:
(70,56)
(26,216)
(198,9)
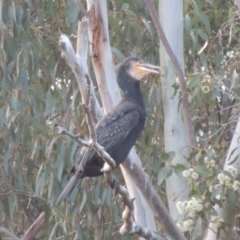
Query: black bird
(117,131)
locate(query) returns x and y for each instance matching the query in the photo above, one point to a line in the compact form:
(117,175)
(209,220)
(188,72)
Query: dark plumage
(118,131)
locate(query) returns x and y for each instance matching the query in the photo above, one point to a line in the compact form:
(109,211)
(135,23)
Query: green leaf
(196,79)
(195,191)
(118,54)
(53,232)
(163,173)
(6,209)
(6,157)
(60,161)
(216,191)
(188,24)
(165,157)
(205,20)
(203,171)
(39,171)
(80,233)
(38,126)
(11,205)
(232,201)
(84,199)
(105,195)
(198,225)
(124,7)
(149,27)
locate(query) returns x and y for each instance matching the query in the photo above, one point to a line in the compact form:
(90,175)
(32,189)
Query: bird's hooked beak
(142,68)
(148,68)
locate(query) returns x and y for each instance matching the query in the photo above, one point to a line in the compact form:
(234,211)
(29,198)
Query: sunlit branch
(128,227)
(79,67)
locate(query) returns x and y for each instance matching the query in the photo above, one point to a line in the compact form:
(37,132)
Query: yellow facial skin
(140,69)
(140,72)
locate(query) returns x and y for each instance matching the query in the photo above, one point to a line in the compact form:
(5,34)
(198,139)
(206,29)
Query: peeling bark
(104,70)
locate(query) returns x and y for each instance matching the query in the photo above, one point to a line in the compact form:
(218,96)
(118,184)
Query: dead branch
(18,192)
(129,227)
(142,181)
(78,63)
(91,144)
(109,180)
(35,227)
(102,62)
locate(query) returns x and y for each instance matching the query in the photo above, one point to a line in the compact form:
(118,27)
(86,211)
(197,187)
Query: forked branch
(129,226)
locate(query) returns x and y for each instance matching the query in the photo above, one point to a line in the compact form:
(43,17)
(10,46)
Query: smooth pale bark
(175,139)
(129,226)
(102,60)
(226,212)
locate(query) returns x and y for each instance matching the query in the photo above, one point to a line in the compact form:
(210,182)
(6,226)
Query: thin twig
(35,227)
(90,119)
(79,66)
(90,144)
(5,231)
(17,192)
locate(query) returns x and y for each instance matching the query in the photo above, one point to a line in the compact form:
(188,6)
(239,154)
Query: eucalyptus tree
(38,89)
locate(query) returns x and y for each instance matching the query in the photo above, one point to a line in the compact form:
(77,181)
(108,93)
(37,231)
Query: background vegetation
(35,91)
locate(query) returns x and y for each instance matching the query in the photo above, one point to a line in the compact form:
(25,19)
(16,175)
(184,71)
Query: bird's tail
(73,182)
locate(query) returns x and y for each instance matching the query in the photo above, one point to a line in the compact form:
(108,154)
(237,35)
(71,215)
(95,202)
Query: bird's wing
(112,129)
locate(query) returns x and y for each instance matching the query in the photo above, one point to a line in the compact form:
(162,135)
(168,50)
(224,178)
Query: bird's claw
(60,129)
(106,168)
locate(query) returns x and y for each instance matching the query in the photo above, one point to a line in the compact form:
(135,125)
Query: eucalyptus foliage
(38,90)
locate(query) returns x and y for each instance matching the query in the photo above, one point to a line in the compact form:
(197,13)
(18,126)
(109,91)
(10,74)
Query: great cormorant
(117,131)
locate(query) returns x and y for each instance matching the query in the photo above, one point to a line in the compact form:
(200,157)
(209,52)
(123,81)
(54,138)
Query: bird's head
(138,69)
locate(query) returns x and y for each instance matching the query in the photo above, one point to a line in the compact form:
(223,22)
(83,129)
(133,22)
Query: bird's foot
(106,168)
(60,129)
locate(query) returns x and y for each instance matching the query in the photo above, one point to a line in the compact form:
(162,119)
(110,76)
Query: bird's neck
(131,87)
(134,93)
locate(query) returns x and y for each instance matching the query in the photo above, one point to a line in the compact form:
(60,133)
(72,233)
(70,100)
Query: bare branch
(142,181)
(129,227)
(74,137)
(35,227)
(101,67)
(98,148)
(90,120)
(5,231)
(78,65)
(182,83)
(18,192)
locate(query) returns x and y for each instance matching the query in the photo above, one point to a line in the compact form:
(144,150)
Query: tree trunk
(227,211)
(101,56)
(175,138)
